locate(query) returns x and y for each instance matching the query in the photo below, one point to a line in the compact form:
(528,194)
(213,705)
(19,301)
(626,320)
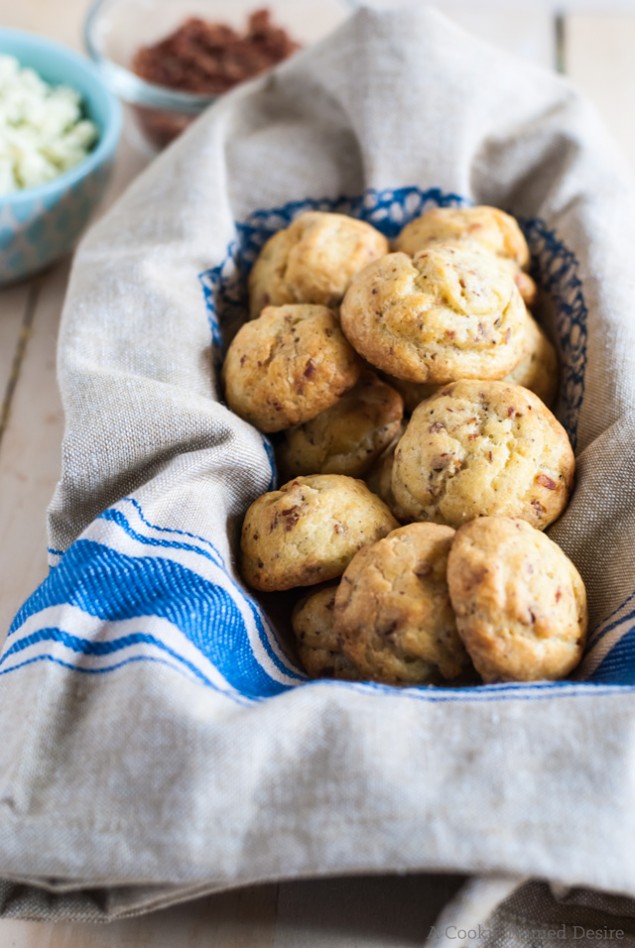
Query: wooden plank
(365,912)
(238,919)
(523,30)
(598,53)
(29,453)
(31,439)
(59,21)
(14,303)
(30,417)
(29,464)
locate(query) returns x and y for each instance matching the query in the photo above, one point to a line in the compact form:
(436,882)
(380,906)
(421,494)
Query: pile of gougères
(407,392)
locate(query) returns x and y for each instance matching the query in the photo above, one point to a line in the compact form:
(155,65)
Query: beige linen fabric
(155,742)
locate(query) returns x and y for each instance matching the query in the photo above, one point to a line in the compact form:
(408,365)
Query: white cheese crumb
(42,129)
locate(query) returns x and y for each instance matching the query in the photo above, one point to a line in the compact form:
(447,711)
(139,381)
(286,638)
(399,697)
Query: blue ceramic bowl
(38,225)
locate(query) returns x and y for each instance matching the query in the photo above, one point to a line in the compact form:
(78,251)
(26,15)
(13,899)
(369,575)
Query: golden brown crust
(312,260)
(538,368)
(393,611)
(451,312)
(319,649)
(413,393)
(308,531)
(348,437)
(520,603)
(496,231)
(379,478)
(287,366)
(526,286)
(489,227)
(483,448)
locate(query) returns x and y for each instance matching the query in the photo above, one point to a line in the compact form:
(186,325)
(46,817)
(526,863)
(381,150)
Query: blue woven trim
(555,269)
(604,626)
(534,691)
(604,630)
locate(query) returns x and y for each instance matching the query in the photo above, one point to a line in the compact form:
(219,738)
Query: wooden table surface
(593,43)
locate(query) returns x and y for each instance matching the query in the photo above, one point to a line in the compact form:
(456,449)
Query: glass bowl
(115,29)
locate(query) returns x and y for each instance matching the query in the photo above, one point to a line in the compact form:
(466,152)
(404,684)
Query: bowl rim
(108,139)
(132,88)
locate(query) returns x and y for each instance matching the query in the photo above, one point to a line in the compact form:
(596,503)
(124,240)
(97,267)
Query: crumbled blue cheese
(42,129)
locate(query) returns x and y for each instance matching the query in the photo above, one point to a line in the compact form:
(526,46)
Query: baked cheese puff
(490,227)
(308,531)
(319,650)
(537,370)
(450,312)
(480,448)
(287,366)
(519,601)
(393,613)
(312,260)
(538,367)
(348,437)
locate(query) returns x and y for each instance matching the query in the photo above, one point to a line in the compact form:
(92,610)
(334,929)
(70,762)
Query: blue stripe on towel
(136,659)
(618,667)
(113,587)
(75,643)
(618,608)
(598,635)
(172,530)
(116,516)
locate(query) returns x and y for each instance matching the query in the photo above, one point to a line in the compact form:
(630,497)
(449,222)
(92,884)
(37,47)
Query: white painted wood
(521,6)
(13,307)
(598,50)
(30,446)
(29,453)
(58,19)
(523,29)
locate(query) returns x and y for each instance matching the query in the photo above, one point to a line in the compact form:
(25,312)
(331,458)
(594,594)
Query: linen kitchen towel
(158,741)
